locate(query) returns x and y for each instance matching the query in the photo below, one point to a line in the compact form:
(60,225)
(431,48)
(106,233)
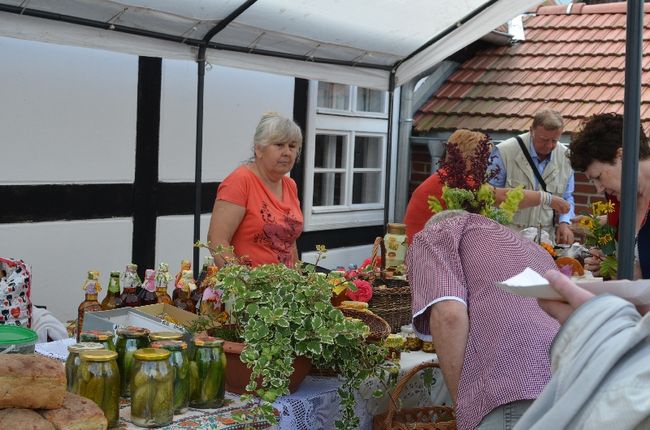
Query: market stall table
(315,405)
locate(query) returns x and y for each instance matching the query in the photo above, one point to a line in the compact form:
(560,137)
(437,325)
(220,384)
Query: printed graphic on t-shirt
(278,235)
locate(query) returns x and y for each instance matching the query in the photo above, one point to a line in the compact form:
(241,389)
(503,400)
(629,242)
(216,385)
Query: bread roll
(31,382)
(23,419)
(77,413)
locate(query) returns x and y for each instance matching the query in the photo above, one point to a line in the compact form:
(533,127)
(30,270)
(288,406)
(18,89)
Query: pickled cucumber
(152,393)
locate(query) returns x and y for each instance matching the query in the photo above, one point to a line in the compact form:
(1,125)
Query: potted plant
(282,313)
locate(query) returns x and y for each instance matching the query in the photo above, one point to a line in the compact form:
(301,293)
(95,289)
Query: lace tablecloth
(314,406)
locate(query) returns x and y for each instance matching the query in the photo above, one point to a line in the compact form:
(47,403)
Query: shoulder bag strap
(541,181)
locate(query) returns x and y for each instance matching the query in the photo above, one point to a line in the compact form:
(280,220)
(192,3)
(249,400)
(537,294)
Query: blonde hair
(274,128)
(467,142)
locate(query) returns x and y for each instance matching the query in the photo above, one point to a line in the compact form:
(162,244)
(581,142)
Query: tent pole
(631,138)
(389,146)
(198,157)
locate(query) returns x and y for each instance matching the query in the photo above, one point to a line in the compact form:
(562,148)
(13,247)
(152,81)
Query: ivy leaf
(314,347)
(252,308)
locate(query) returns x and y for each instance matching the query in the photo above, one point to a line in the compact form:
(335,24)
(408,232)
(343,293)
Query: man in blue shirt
(514,158)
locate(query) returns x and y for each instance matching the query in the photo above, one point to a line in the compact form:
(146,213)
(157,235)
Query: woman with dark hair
(597,151)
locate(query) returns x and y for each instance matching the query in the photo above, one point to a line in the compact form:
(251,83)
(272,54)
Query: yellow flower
(604,239)
(586,222)
(608,207)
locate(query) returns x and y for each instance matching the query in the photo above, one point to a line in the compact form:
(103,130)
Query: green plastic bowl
(17,340)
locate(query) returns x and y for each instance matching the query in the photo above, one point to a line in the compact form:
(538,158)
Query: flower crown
(466,184)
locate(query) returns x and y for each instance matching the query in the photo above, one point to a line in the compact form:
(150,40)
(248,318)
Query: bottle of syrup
(92,287)
(130,282)
(162,282)
(112,299)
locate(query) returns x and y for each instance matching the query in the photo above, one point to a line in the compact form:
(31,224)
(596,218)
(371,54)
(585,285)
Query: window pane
(333,96)
(328,189)
(329,151)
(365,188)
(367,151)
(370,100)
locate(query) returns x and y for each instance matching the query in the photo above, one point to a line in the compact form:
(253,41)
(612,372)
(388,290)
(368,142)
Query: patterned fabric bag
(15,290)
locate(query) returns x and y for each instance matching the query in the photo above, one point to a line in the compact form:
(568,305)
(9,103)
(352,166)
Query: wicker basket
(393,305)
(428,418)
(379,328)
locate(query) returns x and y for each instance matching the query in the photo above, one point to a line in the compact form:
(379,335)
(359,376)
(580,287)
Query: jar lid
(98,355)
(166,335)
(132,331)
(93,335)
(208,341)
(396,228)
(85,346)
(151,354)
(169,345)
(16,335)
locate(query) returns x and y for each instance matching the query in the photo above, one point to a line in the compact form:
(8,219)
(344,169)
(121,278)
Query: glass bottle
(207,373)
(197,294)
(148,295)
(210,303)
(99,381)
(129,340)
(130,283)
(207,262)
(185,265)
(73,361)
(152,388)
(104,338)
(183,290)
(180,362)
(162,281)
(90,304)
(112,299)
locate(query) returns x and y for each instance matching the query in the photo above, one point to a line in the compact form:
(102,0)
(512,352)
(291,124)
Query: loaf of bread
(23,419)
(77,413)
(31,382)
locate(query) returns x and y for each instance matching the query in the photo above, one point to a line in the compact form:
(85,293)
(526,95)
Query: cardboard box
(144,316)
(159,310)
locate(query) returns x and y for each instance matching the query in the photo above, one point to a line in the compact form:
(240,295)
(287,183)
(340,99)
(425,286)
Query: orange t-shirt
(417,211)
(270,227)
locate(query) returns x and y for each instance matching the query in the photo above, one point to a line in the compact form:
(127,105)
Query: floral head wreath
(465,175)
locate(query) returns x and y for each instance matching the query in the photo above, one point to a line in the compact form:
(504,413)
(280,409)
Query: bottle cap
(132,331)
(170,345)
(208,341)
(151,354)
(84,346)
(396,228)
(165,335)
(98,355)
(95,335)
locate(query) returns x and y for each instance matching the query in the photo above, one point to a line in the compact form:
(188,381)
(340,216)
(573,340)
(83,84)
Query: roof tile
(574,63)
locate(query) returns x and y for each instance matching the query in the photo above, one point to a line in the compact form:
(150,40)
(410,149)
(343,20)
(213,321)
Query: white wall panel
(174,239)
(68,114)
(234,102)
(61,254)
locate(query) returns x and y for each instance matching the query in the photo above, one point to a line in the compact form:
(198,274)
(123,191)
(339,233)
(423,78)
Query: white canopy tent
(378,44)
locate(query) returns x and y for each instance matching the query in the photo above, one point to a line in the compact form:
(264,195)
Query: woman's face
(277,158)
(606,177)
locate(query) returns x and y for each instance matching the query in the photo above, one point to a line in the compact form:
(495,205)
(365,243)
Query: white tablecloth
(314,406)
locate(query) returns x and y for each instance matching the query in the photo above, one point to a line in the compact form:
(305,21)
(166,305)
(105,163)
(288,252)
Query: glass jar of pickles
(412,342)
(99,381)
(152,388)
(103,337)
(129,340)
(207,373)
(73,361)
(181,364)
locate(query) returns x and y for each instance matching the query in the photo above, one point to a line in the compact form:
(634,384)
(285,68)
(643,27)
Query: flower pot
(238,375)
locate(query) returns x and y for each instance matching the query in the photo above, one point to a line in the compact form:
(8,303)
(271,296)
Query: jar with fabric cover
(73,361)
(180,362)
(99,381)
(129,340)
(152,388)
(103,337)
(207,373)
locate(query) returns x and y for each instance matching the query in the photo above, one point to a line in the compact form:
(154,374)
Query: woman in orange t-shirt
(257,210)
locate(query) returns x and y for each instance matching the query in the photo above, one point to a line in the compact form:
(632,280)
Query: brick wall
(585,193)
(420,166)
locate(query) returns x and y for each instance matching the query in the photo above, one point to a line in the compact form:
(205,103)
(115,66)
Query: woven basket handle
(392,405)
(376,249)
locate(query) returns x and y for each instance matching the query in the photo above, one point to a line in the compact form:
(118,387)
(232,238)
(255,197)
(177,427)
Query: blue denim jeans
(505,416)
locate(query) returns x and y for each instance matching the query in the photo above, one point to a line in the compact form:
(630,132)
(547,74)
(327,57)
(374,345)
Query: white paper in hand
(529,283)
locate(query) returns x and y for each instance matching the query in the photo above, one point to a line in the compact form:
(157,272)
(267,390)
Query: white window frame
(350,124)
